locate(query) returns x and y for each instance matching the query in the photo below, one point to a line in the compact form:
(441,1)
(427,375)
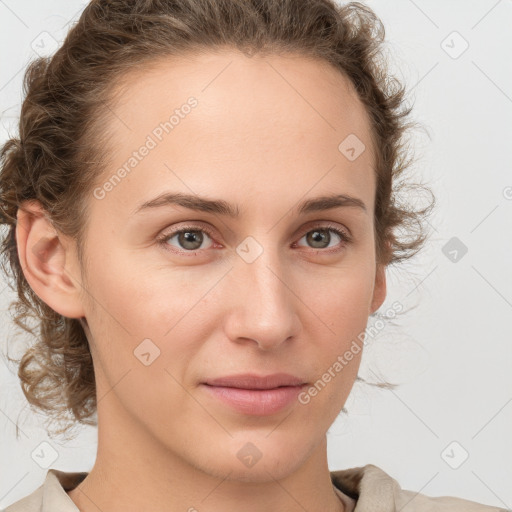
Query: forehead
(259,123)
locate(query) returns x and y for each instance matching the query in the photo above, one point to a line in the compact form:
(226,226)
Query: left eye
(321,235)
(191,238)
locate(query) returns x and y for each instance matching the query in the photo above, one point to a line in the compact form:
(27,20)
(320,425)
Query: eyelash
(345,237)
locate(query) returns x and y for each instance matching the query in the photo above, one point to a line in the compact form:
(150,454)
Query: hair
(62,146)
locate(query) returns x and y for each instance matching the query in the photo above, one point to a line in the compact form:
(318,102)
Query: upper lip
(252,381)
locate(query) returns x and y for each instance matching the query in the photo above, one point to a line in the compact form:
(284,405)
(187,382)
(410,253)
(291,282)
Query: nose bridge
(264,303)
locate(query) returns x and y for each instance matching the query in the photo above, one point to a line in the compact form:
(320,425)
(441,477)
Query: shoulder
(51,495)
(409,501)
(30,503)
(374,489)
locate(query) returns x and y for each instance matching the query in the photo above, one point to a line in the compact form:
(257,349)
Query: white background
(453,352)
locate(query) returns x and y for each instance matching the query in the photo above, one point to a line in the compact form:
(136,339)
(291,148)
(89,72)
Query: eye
(189,238)
(320,238)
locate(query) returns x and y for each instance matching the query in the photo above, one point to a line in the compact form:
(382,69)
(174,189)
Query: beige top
(362,489)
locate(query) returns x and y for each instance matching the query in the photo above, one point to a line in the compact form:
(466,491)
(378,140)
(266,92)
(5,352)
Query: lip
(254,395)
(255,402)
(252,381)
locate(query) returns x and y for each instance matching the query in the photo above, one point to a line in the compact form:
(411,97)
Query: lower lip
(259,402)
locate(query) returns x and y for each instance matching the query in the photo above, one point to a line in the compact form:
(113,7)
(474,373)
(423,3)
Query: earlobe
(42,257)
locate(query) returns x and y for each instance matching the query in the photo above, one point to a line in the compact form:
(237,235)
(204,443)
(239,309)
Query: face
(276,288)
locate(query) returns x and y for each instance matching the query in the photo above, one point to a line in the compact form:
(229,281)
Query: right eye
(189,238)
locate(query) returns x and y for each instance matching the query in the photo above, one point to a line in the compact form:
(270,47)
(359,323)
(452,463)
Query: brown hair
(61,150)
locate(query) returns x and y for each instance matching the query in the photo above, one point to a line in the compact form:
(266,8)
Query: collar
(371,487)
(54,490)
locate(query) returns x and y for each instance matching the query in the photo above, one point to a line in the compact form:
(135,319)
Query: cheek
(341,299)
(132,298)
(343,307)
(145,315)
(129,321)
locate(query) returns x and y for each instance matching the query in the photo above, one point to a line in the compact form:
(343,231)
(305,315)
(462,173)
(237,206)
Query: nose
(263,304)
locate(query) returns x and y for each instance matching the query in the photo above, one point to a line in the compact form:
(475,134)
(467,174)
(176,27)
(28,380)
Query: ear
(48,261)
(379,290)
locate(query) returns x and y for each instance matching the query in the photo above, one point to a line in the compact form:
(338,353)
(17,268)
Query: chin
(261,458)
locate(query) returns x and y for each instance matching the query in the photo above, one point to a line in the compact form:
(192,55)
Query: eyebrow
(220,207)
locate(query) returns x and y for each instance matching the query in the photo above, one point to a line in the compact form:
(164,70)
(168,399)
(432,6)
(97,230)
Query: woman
(200,217)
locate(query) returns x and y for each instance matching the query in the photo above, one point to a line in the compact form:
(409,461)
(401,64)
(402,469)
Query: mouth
(253,395)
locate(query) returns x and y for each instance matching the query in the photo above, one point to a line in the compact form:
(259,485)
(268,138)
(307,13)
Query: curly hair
(62,146)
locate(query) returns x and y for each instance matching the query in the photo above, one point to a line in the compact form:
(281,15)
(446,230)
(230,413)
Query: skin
(264,136)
